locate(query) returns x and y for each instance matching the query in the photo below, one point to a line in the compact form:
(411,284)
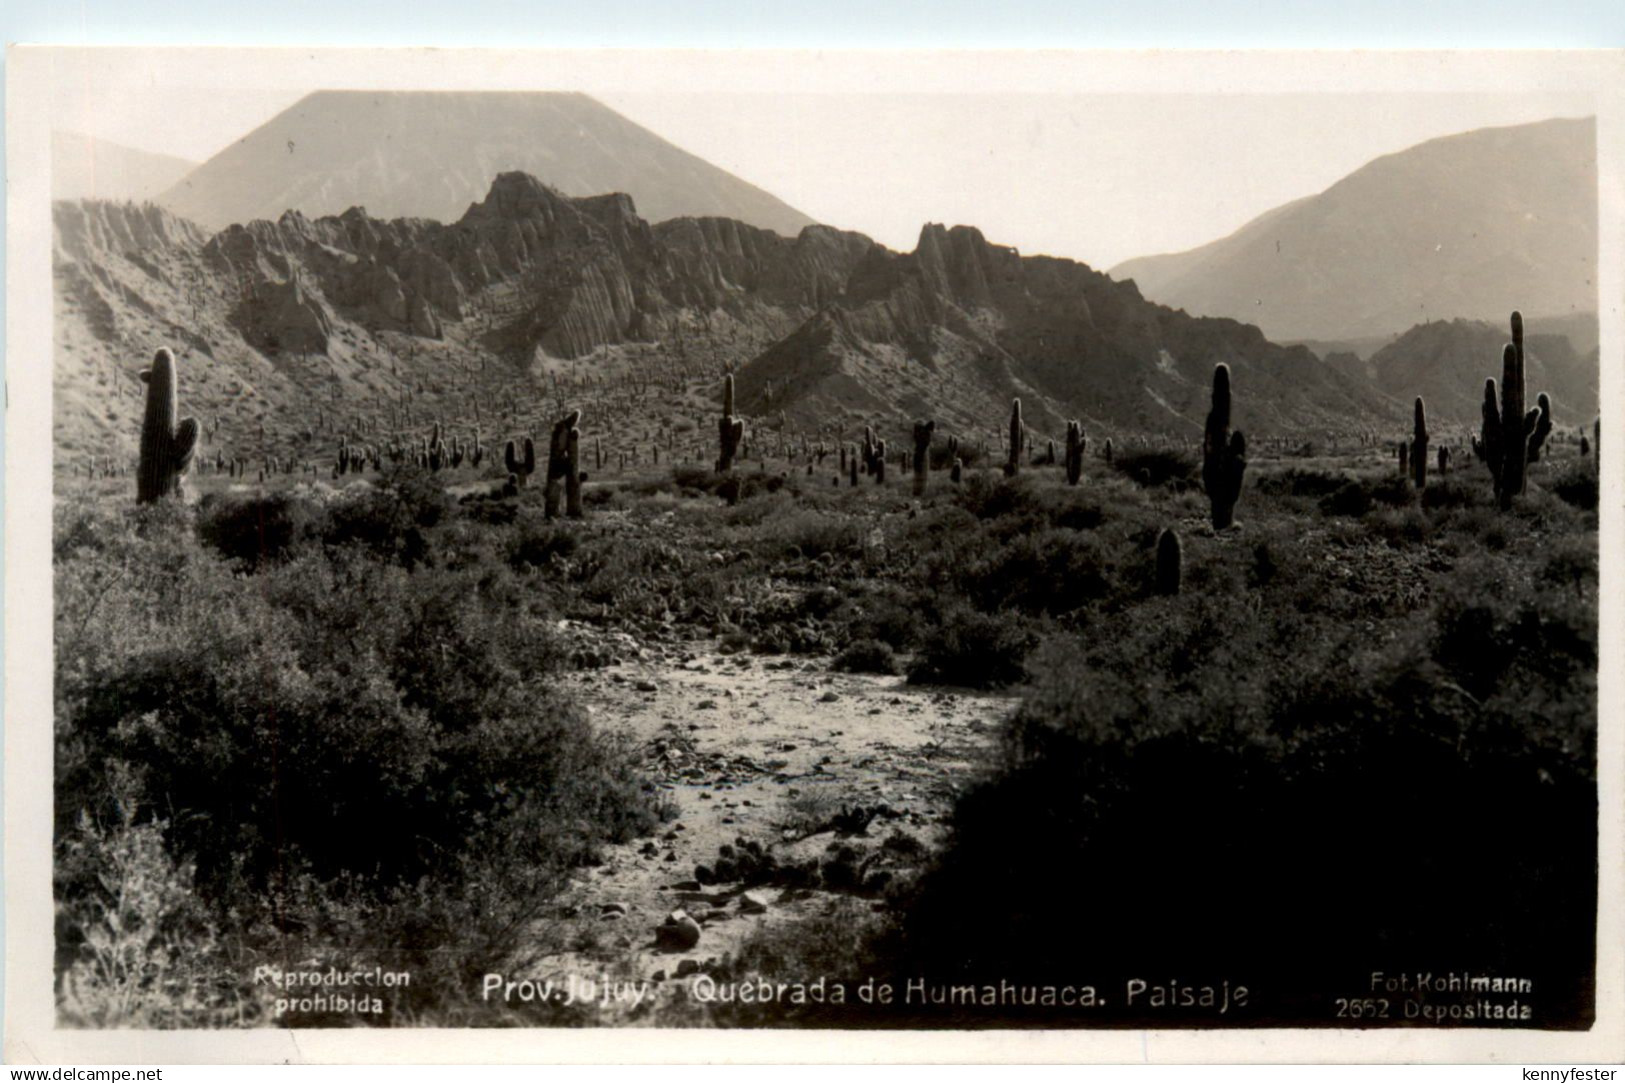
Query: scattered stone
(828,697)
(679,932)
(619,909)
(687,967)
(706,705)
(646,686)
(686,885)
(752,902)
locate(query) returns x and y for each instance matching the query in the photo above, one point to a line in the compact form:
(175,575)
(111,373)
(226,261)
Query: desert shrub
(1040,571)
(1393,490)
(391,518)
(814,534)
(1576,484)
(867,656)
(1352,498)
(261,528)
(1249,754)
(888,614)
(1155,468)
(1298,481)
(351,737)
(702,481)
(1449,492)
(135,946)
(537,542)
(977,650)
(1399,527)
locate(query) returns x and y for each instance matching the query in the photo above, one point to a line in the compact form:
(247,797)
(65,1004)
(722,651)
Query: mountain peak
(1473,224)
(430,154)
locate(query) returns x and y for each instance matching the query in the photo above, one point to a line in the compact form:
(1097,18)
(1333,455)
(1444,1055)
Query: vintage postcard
(1031,557)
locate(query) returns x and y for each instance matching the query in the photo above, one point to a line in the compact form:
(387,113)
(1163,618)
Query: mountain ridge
(1405,237)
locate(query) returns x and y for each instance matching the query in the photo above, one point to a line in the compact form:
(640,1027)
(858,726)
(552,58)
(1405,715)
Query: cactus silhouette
(166,447)
(1419,446)
(1018,433)
(730,429)
(1169,561)
(923,431)
(1076,442)
(1224,454)
(563,450)
(1543,427)
(1507,430)
(520,463)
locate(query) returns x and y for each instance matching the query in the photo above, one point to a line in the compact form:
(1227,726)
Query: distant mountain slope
(84,167)
(1470,225)
(431,154)
(1447,361)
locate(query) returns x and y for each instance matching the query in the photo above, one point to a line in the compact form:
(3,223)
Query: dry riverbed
(796,790)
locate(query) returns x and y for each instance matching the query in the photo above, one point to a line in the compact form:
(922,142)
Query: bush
(258,529)
(977,650)
(1257,765)
(1157,468)
(392,518)
(1352,498)
(1300,482)
(1576,484)
(867,656)
(375,755)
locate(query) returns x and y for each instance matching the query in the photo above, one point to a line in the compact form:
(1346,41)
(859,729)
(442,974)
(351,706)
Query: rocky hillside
(431,154)
(532,299)
(958,327)
(1471,225)
(1447,361)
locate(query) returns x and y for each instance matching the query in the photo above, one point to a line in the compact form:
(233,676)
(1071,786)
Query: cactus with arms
(1507,430)
(1224,454)
(520,463)
(166,447)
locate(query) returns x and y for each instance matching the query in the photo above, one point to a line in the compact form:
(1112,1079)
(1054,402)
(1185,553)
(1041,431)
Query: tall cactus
(1507,430)
(730,429)
(166,447)
(520,463)
(1419,446)
(563,464)
(923,431)
(1169,561)
(1076,442)
(1543,427)
(1224,454)
(1018,433)
(1487,447)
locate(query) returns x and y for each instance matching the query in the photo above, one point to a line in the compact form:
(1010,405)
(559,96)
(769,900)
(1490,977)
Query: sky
(1098,177)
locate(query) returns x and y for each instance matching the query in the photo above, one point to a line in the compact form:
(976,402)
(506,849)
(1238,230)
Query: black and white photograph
(1089,543)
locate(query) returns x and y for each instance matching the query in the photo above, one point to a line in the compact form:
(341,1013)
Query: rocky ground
(795,789)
